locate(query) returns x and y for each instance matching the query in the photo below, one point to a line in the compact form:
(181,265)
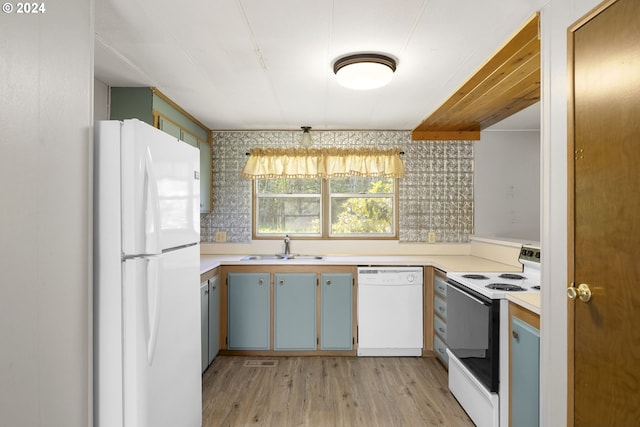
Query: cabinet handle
(261,282)
(441,330)
(441,309)
(328,282)
(441,351)
(515,335)
(206,291)
(441,288)
(281,282)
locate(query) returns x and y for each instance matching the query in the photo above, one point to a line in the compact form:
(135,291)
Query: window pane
(361,185)
(358,206)
(366,215)
(289,186)
(294,215)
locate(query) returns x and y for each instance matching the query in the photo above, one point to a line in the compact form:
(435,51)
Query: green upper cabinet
(190,139)
(205,178)
(132,102)
(168,127)
(151,106)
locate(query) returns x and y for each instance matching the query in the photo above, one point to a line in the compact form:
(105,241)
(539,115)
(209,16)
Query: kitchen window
(331,208)
(329,193)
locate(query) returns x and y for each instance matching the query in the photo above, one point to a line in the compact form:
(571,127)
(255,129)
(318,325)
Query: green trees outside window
(363,207)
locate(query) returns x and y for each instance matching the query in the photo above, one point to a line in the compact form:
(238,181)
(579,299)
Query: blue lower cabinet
(295,311)
(336,308)
(249,314)
(204,324)
(214,318)
(525,374)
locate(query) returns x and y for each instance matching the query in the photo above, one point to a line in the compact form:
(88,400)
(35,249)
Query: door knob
(582,292)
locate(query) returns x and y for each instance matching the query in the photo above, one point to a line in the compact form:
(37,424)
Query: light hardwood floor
(329,391)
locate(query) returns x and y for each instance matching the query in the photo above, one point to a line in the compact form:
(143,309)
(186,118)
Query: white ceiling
(267,64)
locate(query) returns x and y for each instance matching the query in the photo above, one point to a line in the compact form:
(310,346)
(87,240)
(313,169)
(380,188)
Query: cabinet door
(214,318)
(204,325)
(168,127)
(249,313)
(525,374)
(336,311)
(188,138)
(205,177)
(295,311)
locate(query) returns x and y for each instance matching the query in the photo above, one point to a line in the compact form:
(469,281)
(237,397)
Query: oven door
(473,332)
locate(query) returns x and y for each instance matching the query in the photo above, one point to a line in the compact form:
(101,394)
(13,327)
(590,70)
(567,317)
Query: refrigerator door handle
(152,302)
(151,207)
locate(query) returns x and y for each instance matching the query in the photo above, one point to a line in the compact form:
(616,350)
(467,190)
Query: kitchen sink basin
(305,256)
(280,257)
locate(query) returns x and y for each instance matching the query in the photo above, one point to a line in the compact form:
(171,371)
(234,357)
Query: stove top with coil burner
(505,287)
(496,285)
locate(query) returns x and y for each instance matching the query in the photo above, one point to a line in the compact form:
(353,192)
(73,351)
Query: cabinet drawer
(440,307)
(441,350)
(440,286)
(440,327)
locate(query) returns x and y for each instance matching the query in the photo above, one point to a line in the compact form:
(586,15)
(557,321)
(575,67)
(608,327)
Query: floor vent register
(261,363)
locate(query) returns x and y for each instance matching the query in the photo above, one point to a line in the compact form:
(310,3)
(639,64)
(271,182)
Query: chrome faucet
(287,245)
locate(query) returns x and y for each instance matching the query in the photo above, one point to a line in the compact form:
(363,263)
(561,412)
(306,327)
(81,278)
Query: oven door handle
(467,295)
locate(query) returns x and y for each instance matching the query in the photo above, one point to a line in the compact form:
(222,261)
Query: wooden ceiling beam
(522,62)
(508,82)
(445,135)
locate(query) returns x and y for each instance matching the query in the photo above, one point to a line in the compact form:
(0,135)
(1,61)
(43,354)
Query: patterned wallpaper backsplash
(436,195)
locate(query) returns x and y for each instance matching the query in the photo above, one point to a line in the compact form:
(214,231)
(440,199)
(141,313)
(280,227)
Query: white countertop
(529,301)
(446,263)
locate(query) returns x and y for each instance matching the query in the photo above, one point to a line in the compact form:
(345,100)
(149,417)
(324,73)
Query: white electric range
(496,285)
(478,345)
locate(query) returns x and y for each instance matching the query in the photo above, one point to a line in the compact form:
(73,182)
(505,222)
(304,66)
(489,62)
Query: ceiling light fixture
(306,137)
(364,71)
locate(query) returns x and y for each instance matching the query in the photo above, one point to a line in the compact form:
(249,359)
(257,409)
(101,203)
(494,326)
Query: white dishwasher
(390,311)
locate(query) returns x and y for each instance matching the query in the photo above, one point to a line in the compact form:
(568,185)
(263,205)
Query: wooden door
(604,216)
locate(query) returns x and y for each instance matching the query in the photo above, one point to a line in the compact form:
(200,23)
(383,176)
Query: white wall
(46,82)
(507,184)
(100,100)
(556,17)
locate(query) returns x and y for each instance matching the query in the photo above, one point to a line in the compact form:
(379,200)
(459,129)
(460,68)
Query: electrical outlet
(431,237)
(221,236)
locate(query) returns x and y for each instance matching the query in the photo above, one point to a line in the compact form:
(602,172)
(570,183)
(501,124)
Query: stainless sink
(259,257)
(280,257)
(306,256)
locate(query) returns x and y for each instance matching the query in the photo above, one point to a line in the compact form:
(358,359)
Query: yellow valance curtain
(323,163)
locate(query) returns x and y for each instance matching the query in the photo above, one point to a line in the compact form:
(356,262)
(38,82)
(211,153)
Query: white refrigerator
(146,278)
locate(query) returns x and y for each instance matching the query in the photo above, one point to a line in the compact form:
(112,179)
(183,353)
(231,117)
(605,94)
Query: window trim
(325,225)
